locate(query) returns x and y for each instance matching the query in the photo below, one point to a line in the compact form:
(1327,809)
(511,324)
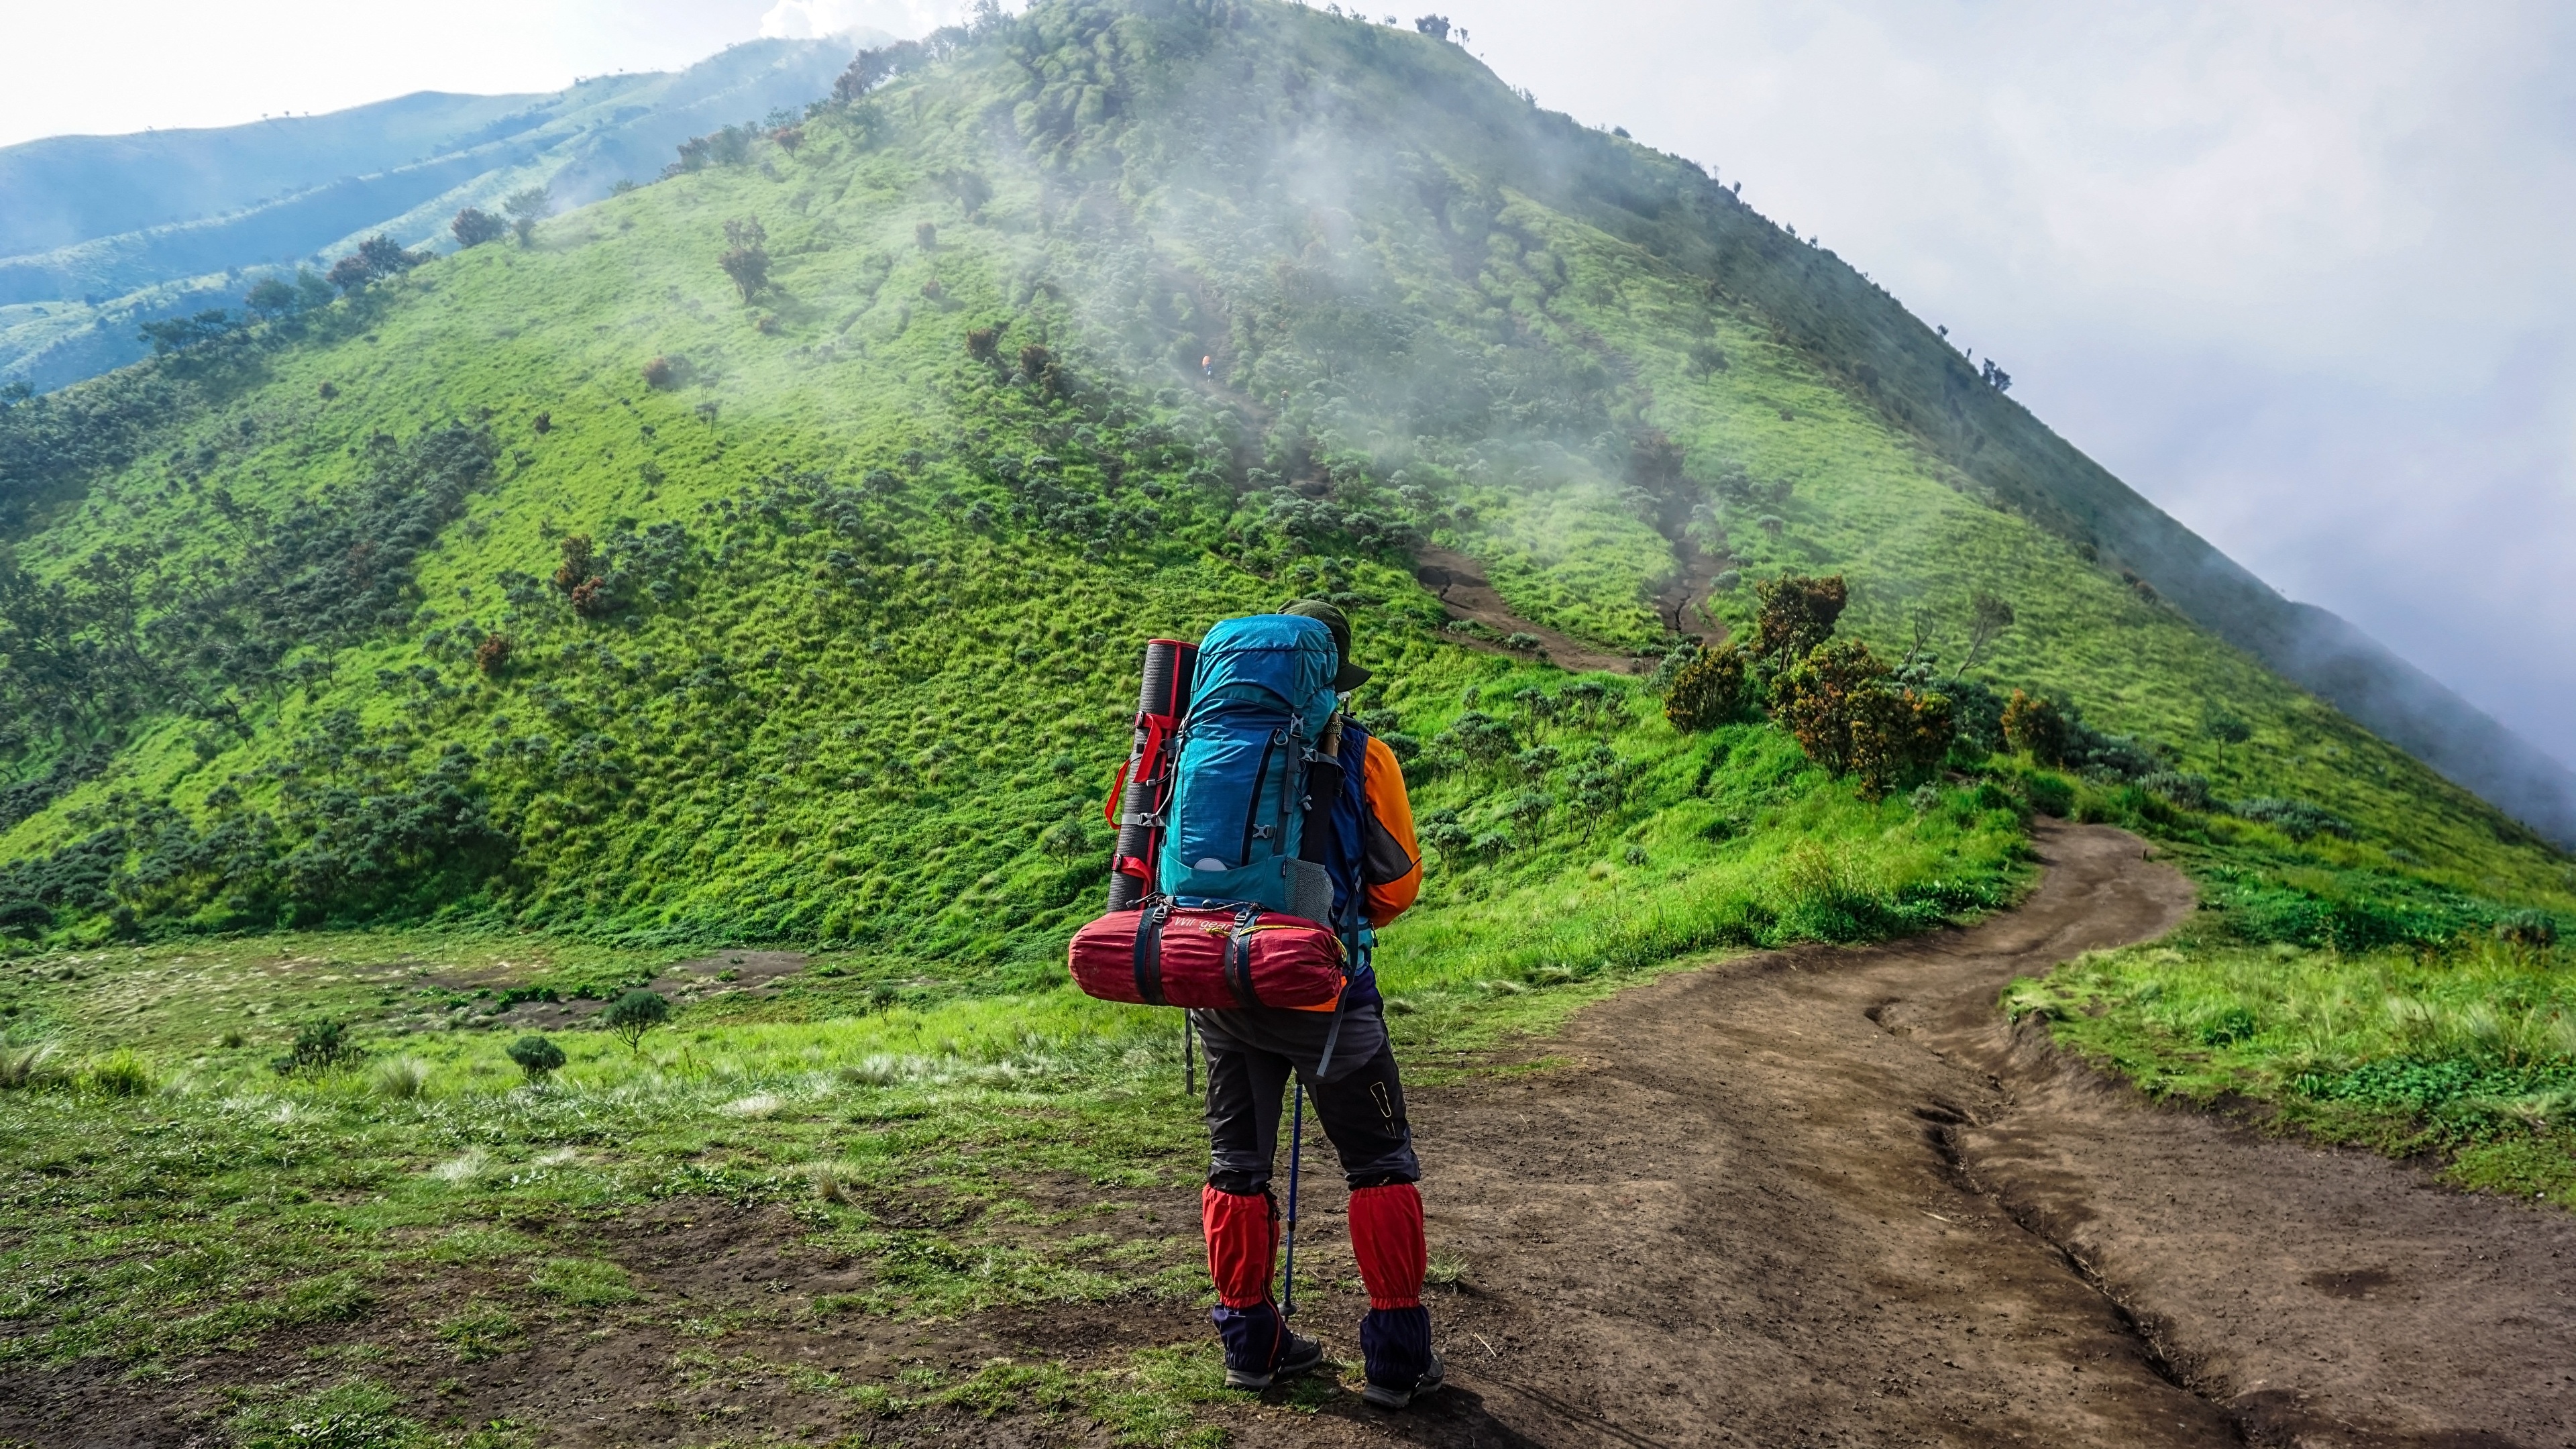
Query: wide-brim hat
(1351,676)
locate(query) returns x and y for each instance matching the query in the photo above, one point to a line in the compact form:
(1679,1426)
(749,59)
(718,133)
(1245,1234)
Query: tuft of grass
(583,1282)
(479,1331)
(23,1067)
(402,1079)
(120,1073)
(357,1413)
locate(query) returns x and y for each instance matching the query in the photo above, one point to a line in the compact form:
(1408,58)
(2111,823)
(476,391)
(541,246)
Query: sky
(2298,273)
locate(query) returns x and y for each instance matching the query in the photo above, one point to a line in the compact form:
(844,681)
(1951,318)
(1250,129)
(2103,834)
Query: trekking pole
(1296,1149)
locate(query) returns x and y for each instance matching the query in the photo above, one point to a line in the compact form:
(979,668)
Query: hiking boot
(1297,1358)
(1387,1396)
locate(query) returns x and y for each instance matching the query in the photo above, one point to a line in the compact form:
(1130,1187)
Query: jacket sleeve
(1391,864)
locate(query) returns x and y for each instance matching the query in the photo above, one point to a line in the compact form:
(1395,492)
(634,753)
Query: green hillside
(871,598)
(763,557)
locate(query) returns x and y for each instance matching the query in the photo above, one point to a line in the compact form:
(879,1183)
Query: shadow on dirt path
(1825,1197)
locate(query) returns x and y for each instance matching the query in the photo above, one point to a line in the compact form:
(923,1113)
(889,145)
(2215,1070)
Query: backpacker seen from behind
(1261,697)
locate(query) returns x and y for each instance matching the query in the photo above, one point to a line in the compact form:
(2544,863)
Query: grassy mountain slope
(108,232)
(872,597)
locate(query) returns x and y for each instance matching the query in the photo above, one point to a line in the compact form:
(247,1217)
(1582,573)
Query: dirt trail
(1825,1197)
(1462,588)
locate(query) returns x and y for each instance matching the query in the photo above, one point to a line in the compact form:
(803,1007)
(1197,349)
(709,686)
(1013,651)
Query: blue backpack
(1261,695)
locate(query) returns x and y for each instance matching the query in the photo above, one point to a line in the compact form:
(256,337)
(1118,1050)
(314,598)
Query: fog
(2298,274)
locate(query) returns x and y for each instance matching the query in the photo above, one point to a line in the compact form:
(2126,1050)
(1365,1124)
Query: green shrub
(1707,691)
(536,1056)
(2049,794)
(319,1046)
(633,1014)
(2297,819)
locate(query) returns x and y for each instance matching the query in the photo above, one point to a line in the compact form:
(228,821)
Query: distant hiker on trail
(1358,1097)
(1207,366)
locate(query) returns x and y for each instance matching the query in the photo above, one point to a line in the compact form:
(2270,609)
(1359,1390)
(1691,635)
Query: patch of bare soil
(727,973)
(1682,603)
(725,1343)
(1462,588)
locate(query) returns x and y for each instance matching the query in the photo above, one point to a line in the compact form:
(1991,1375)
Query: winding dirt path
(1825,1197)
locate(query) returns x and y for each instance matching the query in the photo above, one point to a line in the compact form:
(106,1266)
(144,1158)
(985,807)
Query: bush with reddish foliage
(377,256)
(1797,614)
(2035,727)
(474,226)
(746,257)
(1708,691)
(1851,717)
(492,655)
(576,563)
(591,599)
(984,343)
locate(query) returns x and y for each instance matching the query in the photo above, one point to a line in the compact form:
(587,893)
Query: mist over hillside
(764,553)
(99,234)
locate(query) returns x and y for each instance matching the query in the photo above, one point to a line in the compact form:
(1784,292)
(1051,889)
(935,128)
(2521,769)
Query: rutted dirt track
(1825,1197)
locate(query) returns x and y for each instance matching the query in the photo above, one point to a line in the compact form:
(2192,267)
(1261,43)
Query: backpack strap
(1333,1033)
(1149,951)
(1238,956)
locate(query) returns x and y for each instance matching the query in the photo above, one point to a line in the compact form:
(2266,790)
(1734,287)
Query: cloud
(2297,273)
(808,19)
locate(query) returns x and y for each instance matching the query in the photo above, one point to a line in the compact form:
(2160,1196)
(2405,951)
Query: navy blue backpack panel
(1261,693)
(1345,842)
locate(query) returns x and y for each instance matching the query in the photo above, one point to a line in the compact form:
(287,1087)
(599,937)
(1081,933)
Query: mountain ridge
(77,276)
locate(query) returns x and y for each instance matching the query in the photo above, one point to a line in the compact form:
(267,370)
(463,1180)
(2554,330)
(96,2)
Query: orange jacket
(1391,862)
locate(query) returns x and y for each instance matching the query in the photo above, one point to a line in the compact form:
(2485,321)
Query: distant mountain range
(99,234)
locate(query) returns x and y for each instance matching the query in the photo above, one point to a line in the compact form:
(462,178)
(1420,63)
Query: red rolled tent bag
(1215,958)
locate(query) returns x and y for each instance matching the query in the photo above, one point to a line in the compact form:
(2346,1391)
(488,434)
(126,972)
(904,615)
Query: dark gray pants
(1250,1055)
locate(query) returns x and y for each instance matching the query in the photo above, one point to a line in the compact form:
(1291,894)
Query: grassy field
(356,1232)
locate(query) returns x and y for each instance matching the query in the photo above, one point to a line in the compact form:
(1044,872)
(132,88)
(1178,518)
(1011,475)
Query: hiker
(1207,365)
(1358,1096)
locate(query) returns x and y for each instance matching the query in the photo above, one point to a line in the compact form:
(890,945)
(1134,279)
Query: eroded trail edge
(1826,1196)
